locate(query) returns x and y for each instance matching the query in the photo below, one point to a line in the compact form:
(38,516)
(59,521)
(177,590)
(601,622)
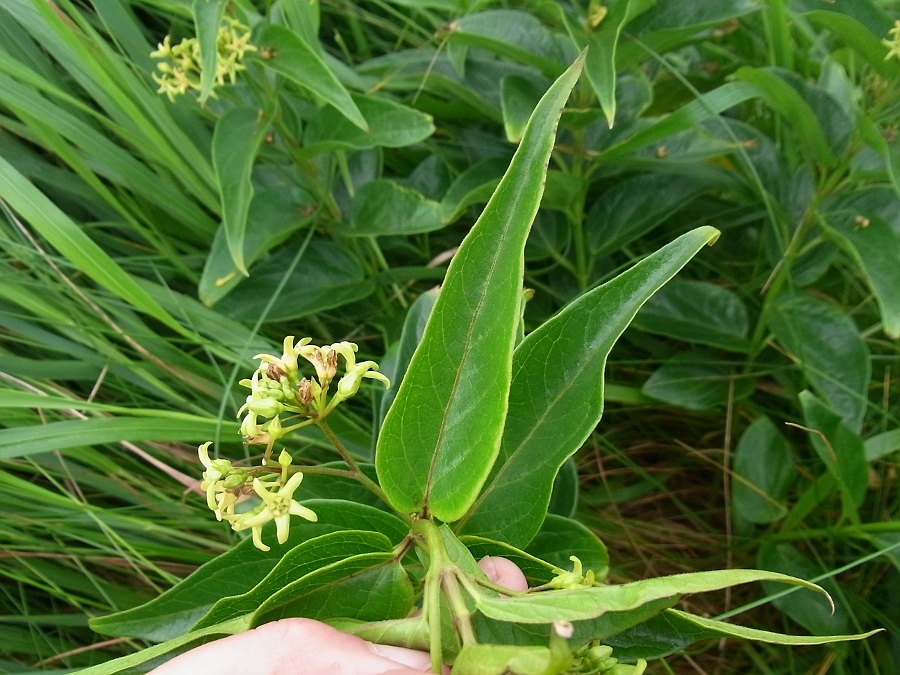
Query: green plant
(772,121)
(466,459)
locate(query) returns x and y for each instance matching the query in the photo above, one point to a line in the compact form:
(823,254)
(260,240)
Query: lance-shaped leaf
(673,630)
(556,397)
(207,19)
(367,587)
(236,141)
(875,247)
(239,570)
(304,559)
(587,602)
(442,434)
(603,37)
(288,54)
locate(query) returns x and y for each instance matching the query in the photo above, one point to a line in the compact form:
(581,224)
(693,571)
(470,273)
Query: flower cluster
(181,69)
(893,44)
(277,388)
(225,483)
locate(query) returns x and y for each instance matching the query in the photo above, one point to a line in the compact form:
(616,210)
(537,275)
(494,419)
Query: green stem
(426,533)
(576,213)
(355,472)
(462,617)
(385,266)
(442,579)
(484,582)
(327,471)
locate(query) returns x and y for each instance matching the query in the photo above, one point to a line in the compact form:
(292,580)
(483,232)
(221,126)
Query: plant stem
(355,472)
(427,536)
(442,580)
(462,617)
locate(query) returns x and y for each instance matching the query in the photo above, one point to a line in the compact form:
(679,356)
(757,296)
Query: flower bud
(265,407)
(249,428)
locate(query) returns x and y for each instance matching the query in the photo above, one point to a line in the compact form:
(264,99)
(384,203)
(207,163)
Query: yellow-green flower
(573,579)
(348,385)
(278,506)
(893,44)
(216,470)
(182,67)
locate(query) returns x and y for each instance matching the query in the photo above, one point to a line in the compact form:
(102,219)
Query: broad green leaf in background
(288,54)
(867,13)
(561,537)
(564,497)
(384,207)
(67,238)
(811,612)
(515,34)
(207,19)
(875,246)
(672,23)
(677,14)
(413,328)
(839,448)
(883,444)
(697,312)
(238,571)
(696,381)
(858,37)
(474,185)
(236,141)
(518,96)
(787,101)
(874,136)
(828,348)
(556,396)
(709,105)
(442,434)
(763,472)
(332,276)
(275,214)
(634,206)
(600,66)
(390,124)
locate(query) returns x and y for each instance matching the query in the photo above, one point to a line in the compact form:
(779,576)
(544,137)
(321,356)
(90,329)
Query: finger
(418,661)
(295,647)
(503,572)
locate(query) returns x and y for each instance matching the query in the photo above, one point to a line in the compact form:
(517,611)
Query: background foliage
(751,410)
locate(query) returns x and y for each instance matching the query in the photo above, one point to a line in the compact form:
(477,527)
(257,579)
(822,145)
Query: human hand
(308,647)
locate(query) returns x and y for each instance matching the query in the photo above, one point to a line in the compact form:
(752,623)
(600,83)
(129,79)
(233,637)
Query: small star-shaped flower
(278,506)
